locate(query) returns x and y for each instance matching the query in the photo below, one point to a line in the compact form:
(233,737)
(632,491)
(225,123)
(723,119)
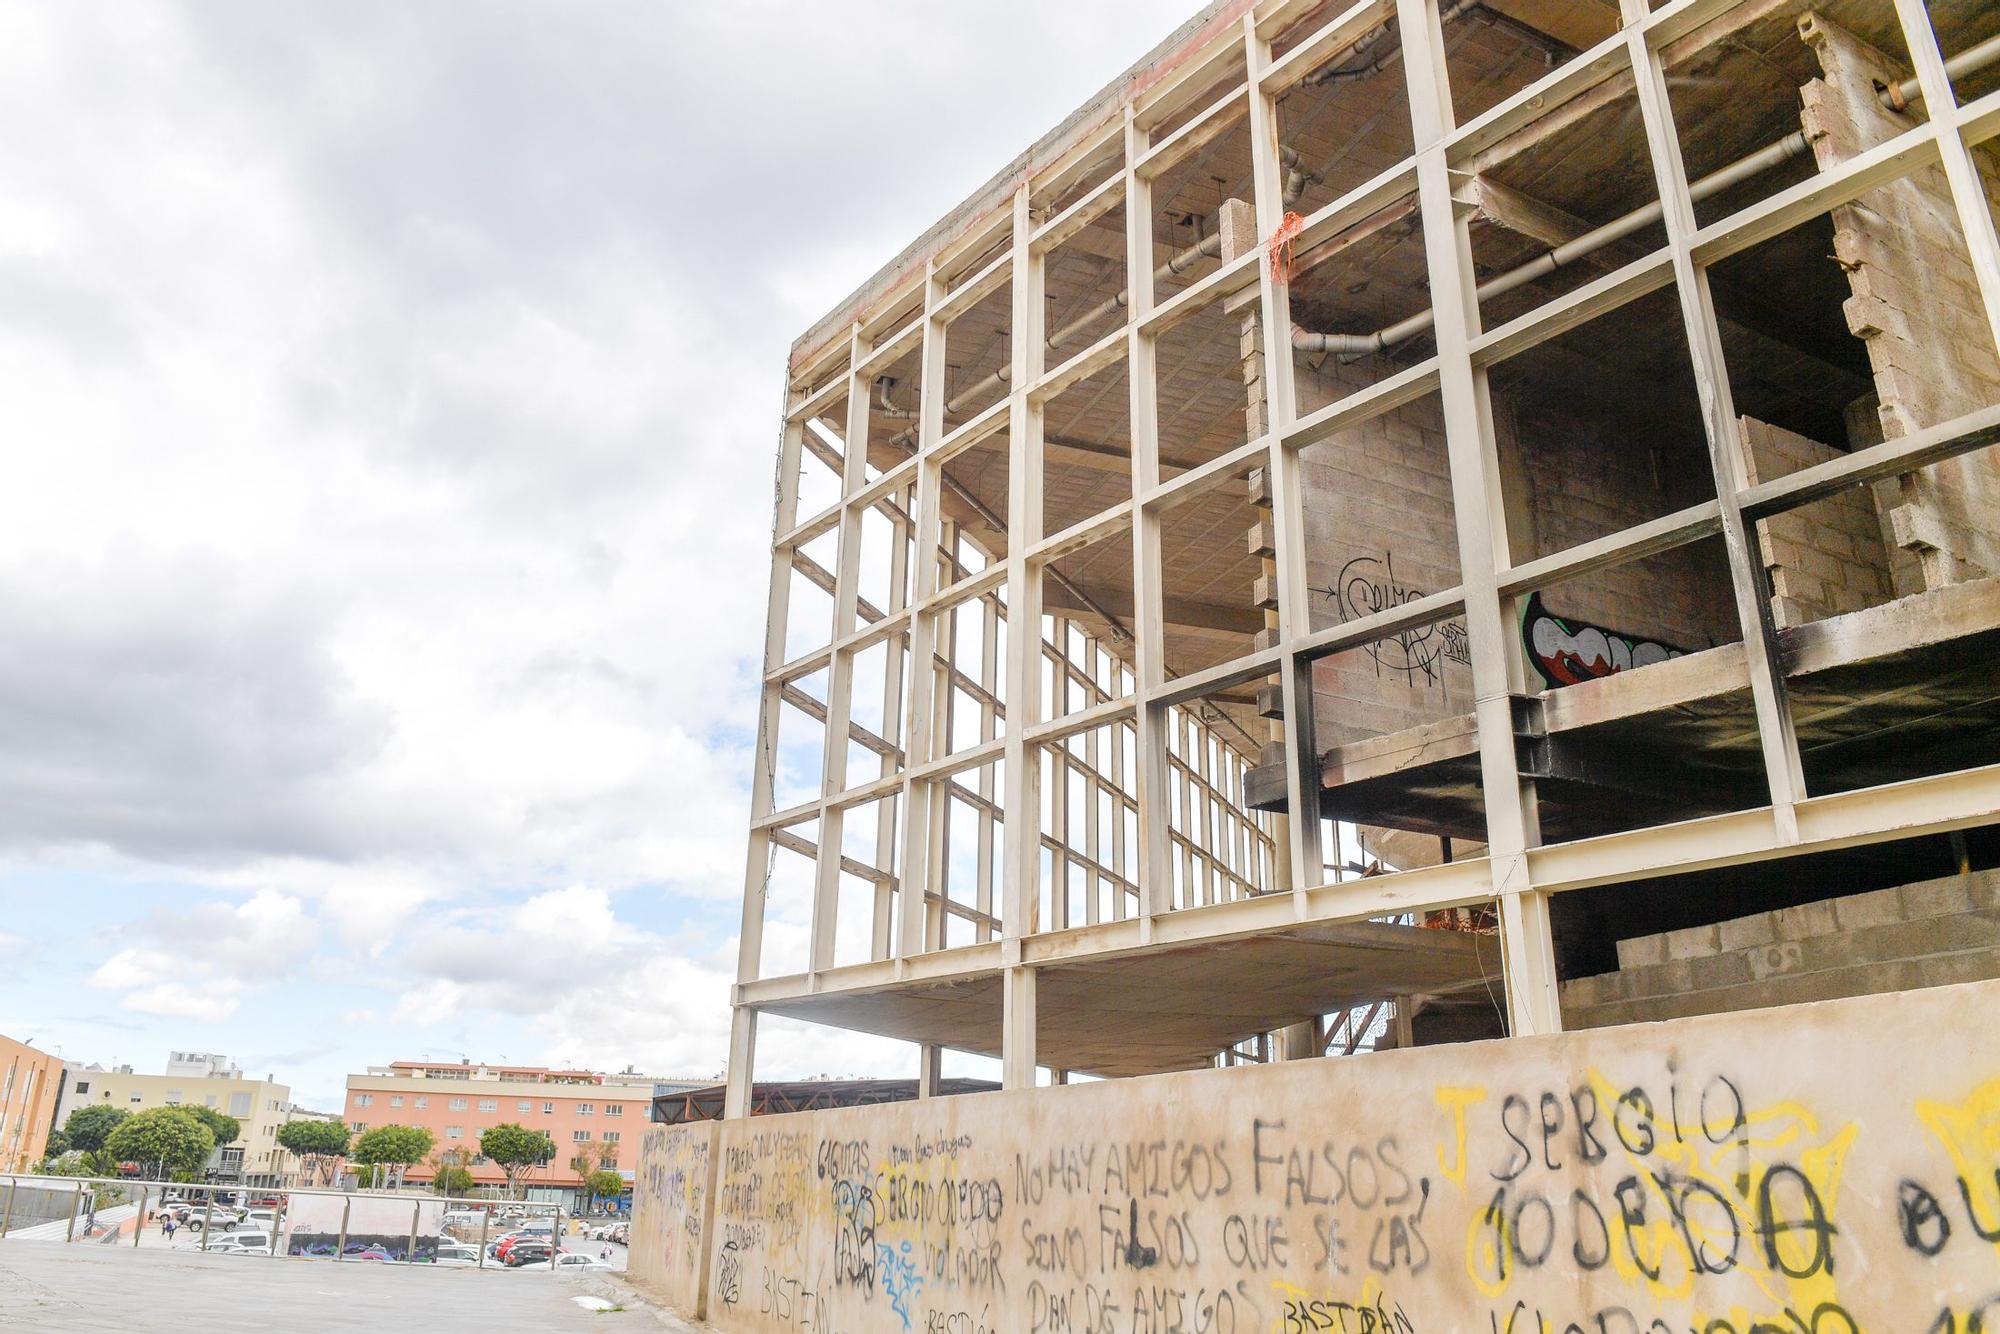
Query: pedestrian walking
(604,1254)
(168,1227)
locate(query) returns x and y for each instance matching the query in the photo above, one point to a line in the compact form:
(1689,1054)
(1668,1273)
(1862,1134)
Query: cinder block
(1807,919)
(1642,951)
(1880,907)
(1775,960)
(1692,942)
(1943,970)
(1743,932)
(1934,898)
(1717,971)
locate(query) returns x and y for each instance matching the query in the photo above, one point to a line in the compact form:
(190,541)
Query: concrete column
(1017,1028)
(742,1062)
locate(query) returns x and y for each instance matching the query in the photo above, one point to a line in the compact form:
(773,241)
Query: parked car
(242,1242)
(621,1234)
(571,1262)
(450,1254)
(527,1252)
(513,1239)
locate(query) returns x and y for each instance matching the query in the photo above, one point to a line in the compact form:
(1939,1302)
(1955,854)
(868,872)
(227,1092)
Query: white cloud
(386,572)
(212,1002)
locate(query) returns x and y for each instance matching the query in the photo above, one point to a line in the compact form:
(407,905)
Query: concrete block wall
(1380,529)
(1927,934)
(1582,476)
(1917,307)
(1824,558)
(1823,1168)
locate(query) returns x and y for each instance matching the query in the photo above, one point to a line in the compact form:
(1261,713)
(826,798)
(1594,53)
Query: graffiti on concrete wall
(1722,1176)
(1367,585)
(1565,651)
(668,1237)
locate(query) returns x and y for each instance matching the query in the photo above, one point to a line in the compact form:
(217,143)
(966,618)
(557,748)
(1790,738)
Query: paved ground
(84,1288)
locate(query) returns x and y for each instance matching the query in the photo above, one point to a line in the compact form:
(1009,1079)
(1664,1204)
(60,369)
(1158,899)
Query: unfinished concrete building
(1399,523)
(1551,475)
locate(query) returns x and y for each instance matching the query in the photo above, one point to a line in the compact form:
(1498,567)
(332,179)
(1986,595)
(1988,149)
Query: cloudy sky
(390,397)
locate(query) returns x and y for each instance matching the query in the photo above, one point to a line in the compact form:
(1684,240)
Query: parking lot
(92,1286)
(153,1234)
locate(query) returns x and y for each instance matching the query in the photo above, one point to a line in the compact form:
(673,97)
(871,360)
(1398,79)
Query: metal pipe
(1350,346)
(139,1222)
(1554,52)
(75,1208)
(207,1218)
(1296,175)
(1898,97)
(7,1215)
(1354,73)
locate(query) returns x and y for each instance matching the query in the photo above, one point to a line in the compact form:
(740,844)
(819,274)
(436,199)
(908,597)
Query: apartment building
(197,1079)
(581,1110)
(30,1081)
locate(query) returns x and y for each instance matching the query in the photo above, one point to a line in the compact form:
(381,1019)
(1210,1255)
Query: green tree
(89,1127)
(452,1181)
(166,1139)
(319,1143)
(392,1146)
(58,1144)
(515,1147)
(226,1129)
(606,1184)
(589,1156)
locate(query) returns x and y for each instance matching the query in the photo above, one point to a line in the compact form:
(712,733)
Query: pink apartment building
(579,1109)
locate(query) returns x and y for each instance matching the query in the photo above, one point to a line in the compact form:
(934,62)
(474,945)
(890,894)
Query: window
(585,1108)
(173,1098)
(524,1106)
(83,1085)
(368,1099)
(548,1109)
(210,1100)
(357,1126)
(618,1108)
(422,1103)
(458,1104)
(611,1136)
(396,1100)
(454,1132)
(135,1097)
(579,1136)
(489,1104)
(239,1105)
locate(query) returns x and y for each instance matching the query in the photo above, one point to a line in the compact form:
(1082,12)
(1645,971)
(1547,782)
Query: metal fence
(303,1222)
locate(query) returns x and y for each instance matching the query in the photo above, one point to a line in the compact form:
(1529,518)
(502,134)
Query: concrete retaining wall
(672,1198)
(1824,1168)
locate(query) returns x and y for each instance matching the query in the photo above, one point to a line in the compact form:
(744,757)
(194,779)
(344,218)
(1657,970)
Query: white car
(244,1241)
(260,1220)
(572,1262)
(449,1254)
